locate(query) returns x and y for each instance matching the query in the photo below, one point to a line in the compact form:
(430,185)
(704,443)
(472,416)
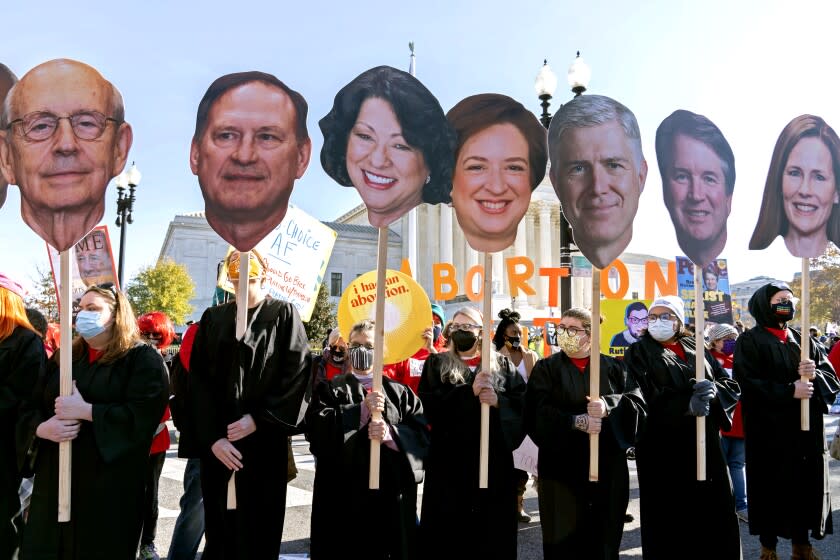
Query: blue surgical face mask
(436,330)
(89,324)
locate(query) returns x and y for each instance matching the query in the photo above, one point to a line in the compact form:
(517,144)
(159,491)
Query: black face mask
(514,341)
(464,340)
(337,355)
(783,310)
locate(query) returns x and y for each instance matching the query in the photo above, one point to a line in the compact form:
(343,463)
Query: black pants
(150,501)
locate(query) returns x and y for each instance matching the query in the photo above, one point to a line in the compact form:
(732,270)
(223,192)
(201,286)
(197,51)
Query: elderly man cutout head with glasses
(64,138)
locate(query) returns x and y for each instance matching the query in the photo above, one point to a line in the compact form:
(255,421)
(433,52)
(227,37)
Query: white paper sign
(525,456)
(296,252)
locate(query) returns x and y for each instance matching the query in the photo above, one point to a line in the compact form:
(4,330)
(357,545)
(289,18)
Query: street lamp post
(125,204)
(546,83)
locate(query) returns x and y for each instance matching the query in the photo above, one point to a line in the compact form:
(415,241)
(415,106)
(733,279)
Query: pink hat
(12,285)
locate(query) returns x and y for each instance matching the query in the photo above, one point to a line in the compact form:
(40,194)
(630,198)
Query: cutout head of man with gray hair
(7,80)
(63,137)
(598,172)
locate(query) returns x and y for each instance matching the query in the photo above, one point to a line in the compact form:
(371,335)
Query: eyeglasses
(637,320)
(151,335)
(571,331)
(355,346)
(463,327)
(41,125)
(337,349)
(662,317)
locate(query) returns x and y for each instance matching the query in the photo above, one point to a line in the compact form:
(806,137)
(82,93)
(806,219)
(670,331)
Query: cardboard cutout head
(94,258)
(7,80)
(698,177)
(598,172)
(66,138)
(500,158)
(801,196)
(249,147)
(386,135)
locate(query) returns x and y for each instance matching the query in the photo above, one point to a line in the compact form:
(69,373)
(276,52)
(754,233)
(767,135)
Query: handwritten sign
(296,253)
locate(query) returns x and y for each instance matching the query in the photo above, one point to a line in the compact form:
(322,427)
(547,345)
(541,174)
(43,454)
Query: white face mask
(661,330)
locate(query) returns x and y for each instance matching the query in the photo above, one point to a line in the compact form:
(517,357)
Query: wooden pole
(595,367)
(700,364)
(378,347)
(241,326)
(805,404)
(65,448)
(486,341)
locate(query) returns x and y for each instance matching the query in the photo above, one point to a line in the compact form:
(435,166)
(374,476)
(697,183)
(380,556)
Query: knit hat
(673,303)
(12,285)
(721,331)
(438,310)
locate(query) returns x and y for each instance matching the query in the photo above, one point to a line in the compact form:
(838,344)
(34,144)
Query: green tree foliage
(322,319)
(43,296)
(825,287)
(166,287)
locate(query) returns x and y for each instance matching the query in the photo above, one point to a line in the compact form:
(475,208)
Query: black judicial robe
(588,518)
(344,509)
(787,469)
(266,375)
(109,458)
(681,517)
(458,519)
(21,361)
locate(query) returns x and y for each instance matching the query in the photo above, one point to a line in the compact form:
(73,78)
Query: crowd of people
(237,401)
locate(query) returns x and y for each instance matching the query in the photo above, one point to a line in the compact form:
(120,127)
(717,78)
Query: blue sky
(750,66)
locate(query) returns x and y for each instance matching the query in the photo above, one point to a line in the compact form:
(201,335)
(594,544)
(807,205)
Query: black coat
(787,469)
(109,458)
(21,361)
(588,515)
(266,375)
(459,520)
(672,500)
(343,506)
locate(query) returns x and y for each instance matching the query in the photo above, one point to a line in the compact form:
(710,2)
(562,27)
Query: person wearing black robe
(246,397)
(123,386)
(458,519)
(581,519)
(339,430)
(22,357)
(682,517)
(787,468)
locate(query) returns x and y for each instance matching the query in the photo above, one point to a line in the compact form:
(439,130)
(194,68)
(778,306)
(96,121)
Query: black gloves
(704,393)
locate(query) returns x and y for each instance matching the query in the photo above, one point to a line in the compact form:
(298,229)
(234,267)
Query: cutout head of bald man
(64,138)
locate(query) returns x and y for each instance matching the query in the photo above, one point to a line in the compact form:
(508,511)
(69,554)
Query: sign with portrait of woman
(500,158)
(801,196)
(387,136)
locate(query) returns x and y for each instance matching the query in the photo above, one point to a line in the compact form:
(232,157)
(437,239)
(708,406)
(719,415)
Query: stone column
(445,233)
(545,249)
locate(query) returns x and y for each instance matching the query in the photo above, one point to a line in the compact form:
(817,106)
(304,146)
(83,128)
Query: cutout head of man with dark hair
(64,138)
(250,145)
(7,80)
(698,177)
(598,172)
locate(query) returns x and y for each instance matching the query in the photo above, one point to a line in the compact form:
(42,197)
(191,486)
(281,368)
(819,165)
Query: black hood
(759,305)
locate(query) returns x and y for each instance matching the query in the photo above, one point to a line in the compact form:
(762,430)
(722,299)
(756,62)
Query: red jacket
(737,430)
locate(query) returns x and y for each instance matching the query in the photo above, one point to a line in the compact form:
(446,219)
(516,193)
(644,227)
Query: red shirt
(580,363)
(331,369)
(737,430)
(677,349)
(781,334)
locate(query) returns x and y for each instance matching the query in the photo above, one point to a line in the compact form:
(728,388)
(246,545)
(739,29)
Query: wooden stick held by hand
(805,347)
(486,341)
(700,364)
(378,347)
(65,448)
(595,367)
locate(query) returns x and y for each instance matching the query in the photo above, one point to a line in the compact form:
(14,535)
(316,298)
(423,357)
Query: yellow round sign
(407,312)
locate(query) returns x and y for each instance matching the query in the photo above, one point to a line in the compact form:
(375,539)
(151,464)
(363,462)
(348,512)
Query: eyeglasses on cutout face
(41,125)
